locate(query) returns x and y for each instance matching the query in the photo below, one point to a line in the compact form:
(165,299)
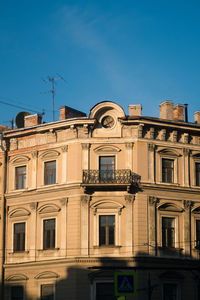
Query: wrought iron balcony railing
(124,177)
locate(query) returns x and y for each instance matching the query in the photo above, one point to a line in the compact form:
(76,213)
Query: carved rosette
(153,200)
(187,204)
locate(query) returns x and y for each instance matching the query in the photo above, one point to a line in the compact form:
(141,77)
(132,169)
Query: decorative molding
(64,201)
(186,151)
(174,136)
(85,199)
(140,130)
(33,205)
(19,212)
(187,204)
(34,154)
(152,133)
(107,149)
(153,200)
(85,146)
(163,134)
(186,138)
(17,277)
(64,148)
(47,275)
(49,154)
(129,198)
(151,147)
(49,209)
(20,159)
(129,145)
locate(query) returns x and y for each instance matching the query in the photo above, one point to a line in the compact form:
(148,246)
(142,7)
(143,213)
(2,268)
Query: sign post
(125,284)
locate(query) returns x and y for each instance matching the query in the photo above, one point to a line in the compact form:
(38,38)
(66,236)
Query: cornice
(170,188)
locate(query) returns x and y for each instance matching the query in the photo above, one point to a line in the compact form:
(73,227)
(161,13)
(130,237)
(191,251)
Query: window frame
(48,283)
(175,216)
(17,176)
(165,175)
(25,236)
(178,288)
(44,172)
(107,177)
(95,282)
(107,234)
(55,233)
(195,171)
(166,235)
(170,156)
(16,285)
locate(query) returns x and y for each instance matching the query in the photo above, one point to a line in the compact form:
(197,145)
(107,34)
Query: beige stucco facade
(136,196)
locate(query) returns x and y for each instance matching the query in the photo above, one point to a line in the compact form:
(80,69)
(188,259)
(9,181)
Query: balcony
(110,179)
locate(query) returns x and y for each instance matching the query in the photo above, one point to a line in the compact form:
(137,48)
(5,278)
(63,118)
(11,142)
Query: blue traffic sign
(125,283)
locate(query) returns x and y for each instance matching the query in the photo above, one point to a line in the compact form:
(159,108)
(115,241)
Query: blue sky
(131,52)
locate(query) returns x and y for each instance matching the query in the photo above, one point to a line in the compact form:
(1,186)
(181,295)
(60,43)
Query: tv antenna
(52,91)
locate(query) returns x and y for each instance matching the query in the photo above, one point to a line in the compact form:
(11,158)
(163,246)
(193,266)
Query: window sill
(23,252)
(48,250)
(106,246)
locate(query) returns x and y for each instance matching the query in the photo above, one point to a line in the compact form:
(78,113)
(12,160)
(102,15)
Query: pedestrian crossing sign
(125,283)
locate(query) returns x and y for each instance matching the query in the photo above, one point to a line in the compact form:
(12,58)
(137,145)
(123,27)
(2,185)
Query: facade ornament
(33,205)
(14,144)
(187,204)
(174,136)
(85,199)
(85,146)
(140,130)
(186,151)
(129,145)
(129,198)
(153,200)
(152,133)
(151,147)
(64,148)
(120,211)
(186,138)
(163,134)
(64,201)
(34,154)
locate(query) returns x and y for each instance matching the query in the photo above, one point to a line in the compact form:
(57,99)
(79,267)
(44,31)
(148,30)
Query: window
(197,169)
(50,172)
(106,167)
(47,292)
(19,237)
(167,170)
(17,292)
(20,177)
(105,291)
(170,291)
(168,232)
(106,230)
(49,234)
(198,233)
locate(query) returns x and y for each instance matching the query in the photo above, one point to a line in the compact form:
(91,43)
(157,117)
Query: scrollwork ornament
(129,198)
(153,200)
(33,205)
(64,148)
(64,201)
(187,204)
(34,154)
(85,199)
(151,147)
(129,145)
(85,146)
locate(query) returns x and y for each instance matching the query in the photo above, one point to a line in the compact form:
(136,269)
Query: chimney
(32,120)
(67,112)
(166,110)
(178,113)
(197,117)
(135,110)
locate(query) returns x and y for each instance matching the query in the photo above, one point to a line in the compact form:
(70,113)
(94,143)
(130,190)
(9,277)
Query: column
(187,226)
(63,223)
(85,201)
(34,169)
(186,168)
(129,224)
(129,156)
(153,225)
(151,163)
(31,232)
(85,156)
(64,164)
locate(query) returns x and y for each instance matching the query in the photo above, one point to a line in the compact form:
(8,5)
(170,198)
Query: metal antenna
(52,91)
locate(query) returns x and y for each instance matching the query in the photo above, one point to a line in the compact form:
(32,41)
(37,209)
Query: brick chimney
(166,110)
(67,112)
(178,113)
(135,110)
(197,117)
(32,120)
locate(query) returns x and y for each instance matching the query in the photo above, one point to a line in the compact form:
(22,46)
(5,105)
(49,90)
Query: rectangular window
(47,292)
(20,178)
(49,234)
(167,170)
(168,232)
(105,291)
(198,233)
(19,237)
(50,172)
(17,292)
(106,168)
(106,230)
(170,291)
(197,169)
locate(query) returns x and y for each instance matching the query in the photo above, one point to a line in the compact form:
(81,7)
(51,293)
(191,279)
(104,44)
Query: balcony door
(106,168)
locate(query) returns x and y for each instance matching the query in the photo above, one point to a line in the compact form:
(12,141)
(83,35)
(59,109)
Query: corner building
(87,196)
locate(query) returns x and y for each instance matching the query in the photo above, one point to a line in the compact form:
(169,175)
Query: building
(86,196)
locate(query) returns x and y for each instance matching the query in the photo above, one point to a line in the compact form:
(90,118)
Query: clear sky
(131,52)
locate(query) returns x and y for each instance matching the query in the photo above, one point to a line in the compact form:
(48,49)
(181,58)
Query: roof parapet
(135,110)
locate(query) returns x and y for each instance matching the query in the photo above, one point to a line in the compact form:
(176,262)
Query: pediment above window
(107,149)
(196,154)
(170,207)
(22,159)
(196,210)
(49,209)
(169,152)
(19,212)
(47,275)
(107,204)
(17,277)
(50,154)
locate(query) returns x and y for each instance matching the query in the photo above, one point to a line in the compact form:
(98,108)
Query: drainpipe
(2,221)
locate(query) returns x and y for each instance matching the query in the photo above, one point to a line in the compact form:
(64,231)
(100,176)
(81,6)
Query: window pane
(105,291)
(168,232)
(106,230)
(106,167)
(197,166)
(167,170)
(50,172)
(19,237)
(17,292)
(49,234)
(20,177)
(47,292)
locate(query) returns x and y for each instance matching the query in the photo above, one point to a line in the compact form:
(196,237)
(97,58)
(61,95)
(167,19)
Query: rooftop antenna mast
(52,91)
